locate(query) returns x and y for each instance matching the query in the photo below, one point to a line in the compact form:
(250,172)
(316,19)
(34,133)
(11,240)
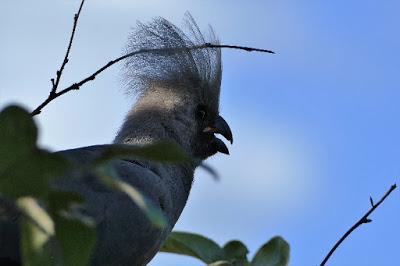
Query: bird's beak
(221,127)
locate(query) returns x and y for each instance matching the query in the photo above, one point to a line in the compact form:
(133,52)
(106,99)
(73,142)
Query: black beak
(221,127)
(219,146)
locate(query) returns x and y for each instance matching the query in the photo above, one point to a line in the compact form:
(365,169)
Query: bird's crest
(172,60)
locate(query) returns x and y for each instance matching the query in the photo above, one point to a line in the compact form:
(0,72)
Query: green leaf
(18,134)
(36,230)
(274,253)
(75,237)
(62,200)
(161,152)
(31,209)
(76,240)
(25,170)
(109,176)
(193,245)
(31,173)
(236,251)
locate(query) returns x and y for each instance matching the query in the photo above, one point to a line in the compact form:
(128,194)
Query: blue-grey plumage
(125,236)
(178,92)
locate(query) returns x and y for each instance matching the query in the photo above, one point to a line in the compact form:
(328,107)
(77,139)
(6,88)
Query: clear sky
(316,126)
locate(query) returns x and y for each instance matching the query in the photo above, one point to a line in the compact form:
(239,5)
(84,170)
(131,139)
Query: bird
(177,87)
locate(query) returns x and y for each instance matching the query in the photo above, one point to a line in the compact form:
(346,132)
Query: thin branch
(55,82)
(247,49)
(363,220)
(76,86)
(65,61)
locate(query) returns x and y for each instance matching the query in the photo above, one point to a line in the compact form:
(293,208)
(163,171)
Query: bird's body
(125,236)
(178,101)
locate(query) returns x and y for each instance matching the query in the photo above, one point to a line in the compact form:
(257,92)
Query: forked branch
(363,220)
(56,81)
(77,85)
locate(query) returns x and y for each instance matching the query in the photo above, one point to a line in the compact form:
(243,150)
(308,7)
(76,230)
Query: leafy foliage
(25,170)
(25,175)
(234,253)
(52,235)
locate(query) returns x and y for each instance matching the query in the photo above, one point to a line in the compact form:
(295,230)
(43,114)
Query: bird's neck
(158,115)
(147,124)
(151,125)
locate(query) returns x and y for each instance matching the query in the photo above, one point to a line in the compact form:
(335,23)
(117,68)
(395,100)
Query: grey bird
(178,89)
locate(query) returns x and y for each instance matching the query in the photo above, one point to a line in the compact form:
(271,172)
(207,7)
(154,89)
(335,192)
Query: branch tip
(363,220)
(56,81)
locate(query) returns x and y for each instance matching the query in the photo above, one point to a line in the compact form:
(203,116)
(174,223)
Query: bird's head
(207,123)
(178,86)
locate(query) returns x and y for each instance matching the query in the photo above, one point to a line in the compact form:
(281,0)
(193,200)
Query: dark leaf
(62,200)
(193,245)
(236,251)
(18,134)
(76,240)
(31,173)
(75,237)
(37,229)
(161,152)
(274,253)
(25,170)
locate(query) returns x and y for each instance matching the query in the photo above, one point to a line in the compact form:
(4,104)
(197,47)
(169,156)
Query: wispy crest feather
(174,60)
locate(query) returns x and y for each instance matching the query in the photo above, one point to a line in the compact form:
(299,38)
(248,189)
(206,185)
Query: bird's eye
(201,112)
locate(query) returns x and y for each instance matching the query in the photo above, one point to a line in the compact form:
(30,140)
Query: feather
(175,60)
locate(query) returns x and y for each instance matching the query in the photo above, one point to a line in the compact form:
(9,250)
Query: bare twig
(77,85)
(363,220)
(71,39)
(55,82)
(247,49)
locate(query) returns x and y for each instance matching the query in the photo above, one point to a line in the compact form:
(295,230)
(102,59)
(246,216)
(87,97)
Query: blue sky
(316,126)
